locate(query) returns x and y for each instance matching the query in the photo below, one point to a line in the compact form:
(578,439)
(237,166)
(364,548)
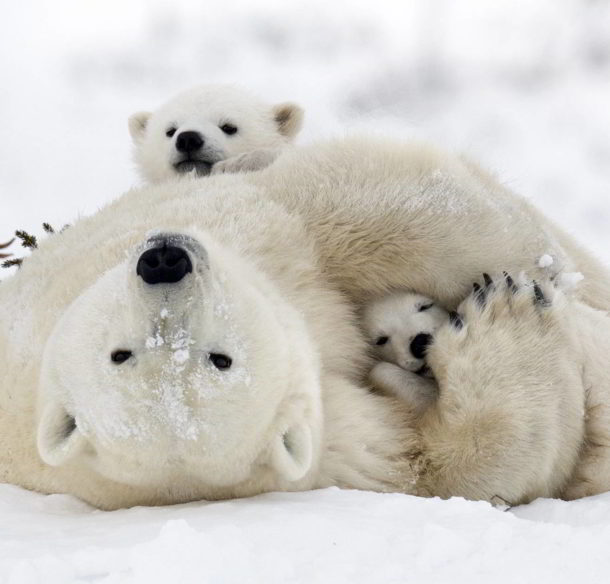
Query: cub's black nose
(164,265)
(419,344)
(189,142)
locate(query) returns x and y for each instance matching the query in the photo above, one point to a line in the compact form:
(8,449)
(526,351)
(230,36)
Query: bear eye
(382,340)
(426,306)
(220,361)
(229,129)
(120,356)
(170,132)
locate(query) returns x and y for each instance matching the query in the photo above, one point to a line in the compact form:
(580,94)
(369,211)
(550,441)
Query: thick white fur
(292,252)
(263,131)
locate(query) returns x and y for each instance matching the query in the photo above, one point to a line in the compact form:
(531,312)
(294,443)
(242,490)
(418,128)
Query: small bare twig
(27,240)
(14,262)
(4,246)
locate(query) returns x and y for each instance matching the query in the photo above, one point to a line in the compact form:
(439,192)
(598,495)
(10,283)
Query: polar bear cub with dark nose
(400,326)
(211,129)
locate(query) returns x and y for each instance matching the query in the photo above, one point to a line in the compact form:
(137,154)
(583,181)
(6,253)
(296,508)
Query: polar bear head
(207,124)
(401,325)
(182,369)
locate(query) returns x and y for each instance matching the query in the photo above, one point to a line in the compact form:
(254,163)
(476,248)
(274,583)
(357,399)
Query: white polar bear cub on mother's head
(211,129)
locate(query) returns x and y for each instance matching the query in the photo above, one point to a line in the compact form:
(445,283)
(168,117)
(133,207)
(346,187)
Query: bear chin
(199,167)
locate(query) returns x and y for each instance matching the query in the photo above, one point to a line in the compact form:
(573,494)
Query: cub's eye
(220,361)
(426,306)
(170,132)
(120,356)
(229,129)
(382,340)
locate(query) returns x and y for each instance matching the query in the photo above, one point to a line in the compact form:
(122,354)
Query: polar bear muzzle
(166,264)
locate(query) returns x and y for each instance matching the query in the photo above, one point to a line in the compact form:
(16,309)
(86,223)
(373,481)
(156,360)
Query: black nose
(419,344)
(189,142)
(164,265)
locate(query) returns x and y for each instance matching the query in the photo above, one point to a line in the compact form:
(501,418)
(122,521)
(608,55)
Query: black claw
(510,283)
(539,297)
(455,319)
(479,294)
(488,280)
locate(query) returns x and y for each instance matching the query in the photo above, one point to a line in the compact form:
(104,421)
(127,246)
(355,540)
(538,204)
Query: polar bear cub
(211,129)
(400,326)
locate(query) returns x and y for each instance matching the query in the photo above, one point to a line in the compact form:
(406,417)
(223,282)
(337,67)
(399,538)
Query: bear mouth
(200,167)
(424,371)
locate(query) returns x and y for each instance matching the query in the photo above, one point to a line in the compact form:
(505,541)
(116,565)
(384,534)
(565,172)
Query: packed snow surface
(521,86)
(320,536)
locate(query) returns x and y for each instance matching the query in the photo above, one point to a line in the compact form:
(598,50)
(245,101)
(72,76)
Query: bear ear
(59,439)
(289,118)
(292,452)
(137,125)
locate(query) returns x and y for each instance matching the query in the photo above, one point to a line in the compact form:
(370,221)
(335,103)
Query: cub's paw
(246,162)
(413,389)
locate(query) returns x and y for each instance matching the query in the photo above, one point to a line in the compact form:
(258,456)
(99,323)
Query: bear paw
(502,316)
(508,420)
(246,162)
(415,390)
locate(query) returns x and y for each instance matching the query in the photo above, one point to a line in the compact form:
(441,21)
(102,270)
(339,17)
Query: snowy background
(521,85)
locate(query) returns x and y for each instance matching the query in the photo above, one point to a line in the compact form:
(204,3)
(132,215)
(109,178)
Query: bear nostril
(152,261)
(172,260)
(419,344)
(164,265)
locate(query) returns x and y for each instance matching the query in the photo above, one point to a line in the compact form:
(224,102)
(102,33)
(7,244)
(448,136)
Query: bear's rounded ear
(137,125)
(292,452)
(289,118)
(59,439)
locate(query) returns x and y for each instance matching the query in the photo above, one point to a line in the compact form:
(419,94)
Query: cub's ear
(289,118)
(292,452)
(137,125)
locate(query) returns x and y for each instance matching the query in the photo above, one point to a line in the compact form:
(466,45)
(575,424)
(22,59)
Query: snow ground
(329,536)
(522,86)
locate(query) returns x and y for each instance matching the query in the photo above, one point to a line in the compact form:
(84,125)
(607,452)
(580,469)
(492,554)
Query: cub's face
(205,125)
(400,326)
(179,368)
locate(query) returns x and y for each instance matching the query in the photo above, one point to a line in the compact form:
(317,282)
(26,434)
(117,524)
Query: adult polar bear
(244,372)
